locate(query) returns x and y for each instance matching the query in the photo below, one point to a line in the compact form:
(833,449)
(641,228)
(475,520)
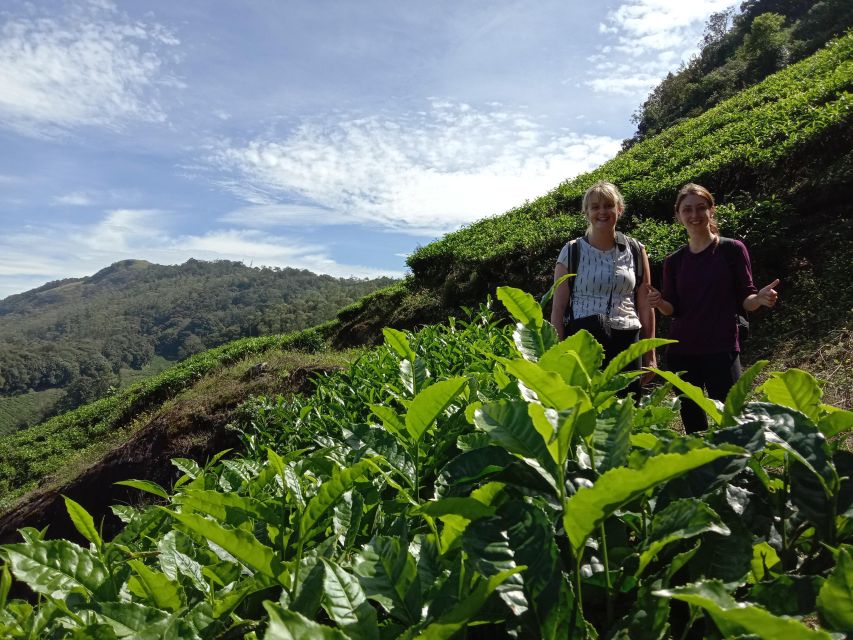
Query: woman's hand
(654,297)
(650,360)
(766,297)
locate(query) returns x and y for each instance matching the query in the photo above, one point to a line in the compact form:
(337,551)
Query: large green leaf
(83,521)
(834,420)
(519,534)
(796,389)
(56,568)
(468,508)
(147,486)
(399,343)
(154,587)
(630,355)
(507,422)
(564,359)
(390,420)
(680,520)
(289,625)
(737,395)
(794,433)
(430,403)
(228,508)
(414,374)
(459,616)
(329,493)
(580,348)
(694,393)
(389,575)
(134,620)
(239,543)
(835,600)
(175,562)
(590,506)
(468,468)
(522,306)
(739,618)
(346,604)
(533,343)
(611,439)
(548,386)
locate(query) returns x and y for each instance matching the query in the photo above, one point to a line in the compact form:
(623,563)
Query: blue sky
(335,136)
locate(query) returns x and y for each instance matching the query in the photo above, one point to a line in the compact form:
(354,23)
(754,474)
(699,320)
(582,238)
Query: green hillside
(474,477)
(86,335)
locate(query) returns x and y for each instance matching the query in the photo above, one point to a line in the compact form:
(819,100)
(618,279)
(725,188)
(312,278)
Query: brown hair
(606,191)
(698,190)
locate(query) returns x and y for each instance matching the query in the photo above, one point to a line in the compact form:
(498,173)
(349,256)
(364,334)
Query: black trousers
(714,372)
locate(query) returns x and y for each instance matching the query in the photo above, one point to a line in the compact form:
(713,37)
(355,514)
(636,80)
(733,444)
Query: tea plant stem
(609,597)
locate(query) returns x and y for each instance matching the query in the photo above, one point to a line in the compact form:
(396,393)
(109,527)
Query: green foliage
(79,335)
(502,488)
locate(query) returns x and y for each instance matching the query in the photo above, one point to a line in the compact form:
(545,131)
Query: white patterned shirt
(597,277)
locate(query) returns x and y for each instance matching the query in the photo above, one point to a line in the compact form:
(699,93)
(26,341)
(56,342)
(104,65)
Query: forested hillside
(739,49)
(80,335)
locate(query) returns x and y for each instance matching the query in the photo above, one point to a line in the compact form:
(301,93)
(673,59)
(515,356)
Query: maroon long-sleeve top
(707,290)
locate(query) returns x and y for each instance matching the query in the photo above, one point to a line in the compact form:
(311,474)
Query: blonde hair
(606,191)
(694,189)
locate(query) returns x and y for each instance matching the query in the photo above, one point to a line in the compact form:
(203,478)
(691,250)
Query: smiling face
(695,213)
(602,212)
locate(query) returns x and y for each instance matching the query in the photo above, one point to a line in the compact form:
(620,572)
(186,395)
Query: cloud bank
(424,172)
(91,66)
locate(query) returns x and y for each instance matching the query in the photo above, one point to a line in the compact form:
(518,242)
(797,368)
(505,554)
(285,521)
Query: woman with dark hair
(608,295)
(706,284)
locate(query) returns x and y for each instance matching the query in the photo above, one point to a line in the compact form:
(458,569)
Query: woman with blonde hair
(608,296)
(707,283)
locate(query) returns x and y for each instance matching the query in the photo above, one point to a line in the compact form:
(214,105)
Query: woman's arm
(647,317)
(560,300)
(656,301)
(765,297)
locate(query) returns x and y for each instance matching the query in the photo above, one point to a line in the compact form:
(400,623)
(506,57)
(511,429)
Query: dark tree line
(78,333)
(739,49)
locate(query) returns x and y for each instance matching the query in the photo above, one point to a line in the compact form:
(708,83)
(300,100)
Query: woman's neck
(602,239)
(700,239)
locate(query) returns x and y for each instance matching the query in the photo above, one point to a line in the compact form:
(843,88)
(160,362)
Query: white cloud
(32,257)
(88,66)
(423,172)
(651,36)
(75,199)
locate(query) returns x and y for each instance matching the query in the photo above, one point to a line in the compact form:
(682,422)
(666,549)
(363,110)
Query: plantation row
(477,479)
(740,146)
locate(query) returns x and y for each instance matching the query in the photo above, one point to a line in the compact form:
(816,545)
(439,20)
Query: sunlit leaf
(83,521)
(796,389)
(154,587)
(738,618)
(430,403)
(346,604)
(590,506)
(835,600)
(55,568)
(694,393)
(739,392)
(289,625)
(147,486)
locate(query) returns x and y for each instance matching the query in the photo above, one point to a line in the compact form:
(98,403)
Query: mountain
(72,340)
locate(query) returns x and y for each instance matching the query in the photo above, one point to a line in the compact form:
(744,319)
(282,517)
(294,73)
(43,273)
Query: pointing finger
(775,283)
